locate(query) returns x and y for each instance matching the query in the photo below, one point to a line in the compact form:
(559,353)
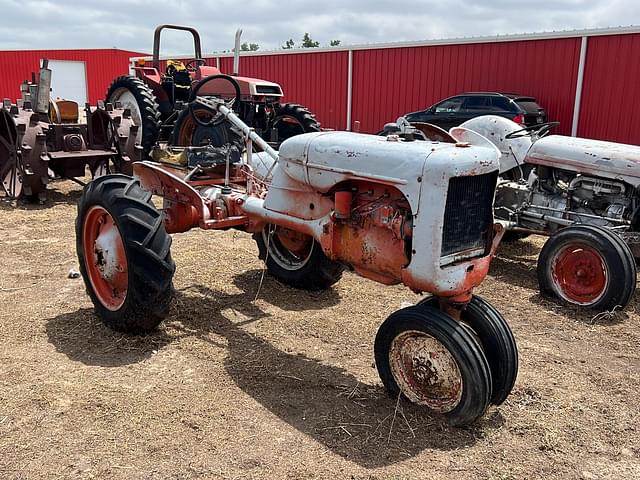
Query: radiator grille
(468,213)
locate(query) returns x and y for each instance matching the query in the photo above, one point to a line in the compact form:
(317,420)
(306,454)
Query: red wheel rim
(579,273)
(105,258)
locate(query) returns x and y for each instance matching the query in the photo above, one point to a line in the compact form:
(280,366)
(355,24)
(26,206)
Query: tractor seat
(63,111)
(180,78)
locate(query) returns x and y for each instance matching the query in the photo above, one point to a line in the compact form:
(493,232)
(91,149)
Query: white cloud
(129,24)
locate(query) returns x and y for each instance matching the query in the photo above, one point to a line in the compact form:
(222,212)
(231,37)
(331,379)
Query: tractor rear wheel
(296,259)
(292,119)
(187,132)
(496,339)
(133,94)
(124,254)
(587,266)
(434,361)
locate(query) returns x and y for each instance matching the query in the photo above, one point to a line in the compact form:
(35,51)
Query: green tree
(334,43)
(288,44)
(308,42)
(249,47)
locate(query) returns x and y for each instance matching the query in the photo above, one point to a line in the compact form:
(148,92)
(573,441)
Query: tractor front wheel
(497,342)
(425,355)
(587,266)
(296,259)
(124,254)
(292,119)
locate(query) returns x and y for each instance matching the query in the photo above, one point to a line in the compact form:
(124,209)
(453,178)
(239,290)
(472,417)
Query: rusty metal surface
(10,167)
(32,145)
(425,371)
(183,207)
(391,227)
(433,132)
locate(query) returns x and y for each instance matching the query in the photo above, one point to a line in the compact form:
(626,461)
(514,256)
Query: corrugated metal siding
(102,66)
(315,80)
(390,82)
(611,89)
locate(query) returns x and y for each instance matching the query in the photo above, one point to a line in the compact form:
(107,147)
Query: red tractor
(158,101)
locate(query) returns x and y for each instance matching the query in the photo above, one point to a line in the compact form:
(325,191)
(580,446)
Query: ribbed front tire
(434,361)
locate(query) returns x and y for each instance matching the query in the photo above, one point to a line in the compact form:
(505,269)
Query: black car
(453,111)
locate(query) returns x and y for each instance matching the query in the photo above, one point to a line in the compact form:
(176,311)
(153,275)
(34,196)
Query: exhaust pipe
(236,54)
(44,89)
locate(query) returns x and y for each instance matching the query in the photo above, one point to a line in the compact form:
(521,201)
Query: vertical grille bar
(468,213)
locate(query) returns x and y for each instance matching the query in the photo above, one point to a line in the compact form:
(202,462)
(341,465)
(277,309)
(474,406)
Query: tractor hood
(589,157)
(323,160)
(249,87)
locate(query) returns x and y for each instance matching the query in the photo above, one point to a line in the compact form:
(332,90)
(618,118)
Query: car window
(476,103)
(529,105)
(503,103)
(450,105)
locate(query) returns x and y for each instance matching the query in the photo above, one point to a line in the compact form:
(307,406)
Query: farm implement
(41,138)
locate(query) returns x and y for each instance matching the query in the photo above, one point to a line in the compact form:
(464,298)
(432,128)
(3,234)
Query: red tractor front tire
(292,119)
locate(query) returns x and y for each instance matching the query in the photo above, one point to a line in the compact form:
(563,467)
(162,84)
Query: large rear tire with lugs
(296,259)
(124,254)
(133,94)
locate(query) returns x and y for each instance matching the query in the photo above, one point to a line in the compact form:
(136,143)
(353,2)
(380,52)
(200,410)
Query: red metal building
(586,79)
(101,66)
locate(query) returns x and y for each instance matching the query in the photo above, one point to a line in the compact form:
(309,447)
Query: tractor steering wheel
(193,65)
(231,104)
(541,129)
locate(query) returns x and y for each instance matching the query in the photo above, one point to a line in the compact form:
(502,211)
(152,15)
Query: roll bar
(156,42)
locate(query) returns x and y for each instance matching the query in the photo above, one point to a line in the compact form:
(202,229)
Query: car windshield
(451,105)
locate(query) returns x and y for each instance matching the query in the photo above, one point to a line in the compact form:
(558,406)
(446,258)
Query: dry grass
(285,386)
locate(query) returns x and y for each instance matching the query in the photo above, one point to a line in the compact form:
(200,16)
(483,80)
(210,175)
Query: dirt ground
(285,386)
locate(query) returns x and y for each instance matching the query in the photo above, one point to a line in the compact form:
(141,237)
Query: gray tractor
(582,193)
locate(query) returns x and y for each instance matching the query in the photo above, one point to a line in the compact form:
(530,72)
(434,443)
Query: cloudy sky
(129,24)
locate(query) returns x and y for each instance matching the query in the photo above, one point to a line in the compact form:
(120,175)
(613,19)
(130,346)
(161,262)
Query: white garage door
(68,80)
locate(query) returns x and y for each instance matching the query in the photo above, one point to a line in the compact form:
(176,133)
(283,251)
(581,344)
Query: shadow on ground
(54,197)
(354,420)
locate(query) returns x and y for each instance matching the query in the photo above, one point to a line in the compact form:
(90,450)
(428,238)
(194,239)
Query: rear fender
(183,206)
